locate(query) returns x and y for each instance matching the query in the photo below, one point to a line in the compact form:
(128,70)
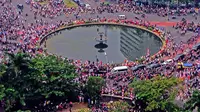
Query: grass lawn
(82,110)
(70,3)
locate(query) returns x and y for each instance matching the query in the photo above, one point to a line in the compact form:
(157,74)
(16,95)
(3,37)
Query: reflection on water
(122,42)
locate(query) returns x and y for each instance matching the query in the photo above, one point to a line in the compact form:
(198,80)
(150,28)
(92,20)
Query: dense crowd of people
(18,35)
(56,8)
(185,26)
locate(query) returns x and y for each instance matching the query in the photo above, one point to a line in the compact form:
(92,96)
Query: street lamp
(106,57)
(168,11)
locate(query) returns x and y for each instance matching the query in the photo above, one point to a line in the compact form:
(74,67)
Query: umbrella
(167,61)
(187,64)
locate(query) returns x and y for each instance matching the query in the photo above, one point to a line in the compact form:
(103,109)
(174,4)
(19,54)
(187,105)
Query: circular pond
(108,43)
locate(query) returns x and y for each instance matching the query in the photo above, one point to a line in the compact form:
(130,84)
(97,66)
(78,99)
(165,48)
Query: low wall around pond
(44,38)
(108,98)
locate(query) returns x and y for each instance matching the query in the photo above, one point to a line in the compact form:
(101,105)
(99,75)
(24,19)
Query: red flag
(101,63)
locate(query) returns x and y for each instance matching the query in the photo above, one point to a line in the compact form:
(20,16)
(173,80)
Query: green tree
(2,69)
(156,94)
(118,106)
(11,75)
(52,79)
(17,63)
(94,86)
(27,82)
(194,101)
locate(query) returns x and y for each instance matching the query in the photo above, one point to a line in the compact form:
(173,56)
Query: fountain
(102,40)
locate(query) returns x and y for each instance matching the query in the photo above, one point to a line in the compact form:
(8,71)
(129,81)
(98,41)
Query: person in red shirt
(60,107)
(70,106)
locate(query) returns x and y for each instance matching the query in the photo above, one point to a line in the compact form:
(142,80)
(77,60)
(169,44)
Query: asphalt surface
(151,17)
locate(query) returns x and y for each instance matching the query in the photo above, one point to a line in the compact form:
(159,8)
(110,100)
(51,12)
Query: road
(151,17)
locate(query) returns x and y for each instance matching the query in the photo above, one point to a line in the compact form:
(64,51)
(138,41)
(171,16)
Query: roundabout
(117,47)
(52,55)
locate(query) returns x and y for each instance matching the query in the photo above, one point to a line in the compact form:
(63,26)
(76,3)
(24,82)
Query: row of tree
(155,95)
(40,82)
(159,93)
(28,83)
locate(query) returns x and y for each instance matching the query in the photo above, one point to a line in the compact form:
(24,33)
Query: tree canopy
(94,86)
(118,106)
(156,94)
(194,101)
(27,82)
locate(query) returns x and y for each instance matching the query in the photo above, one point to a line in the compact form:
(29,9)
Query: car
(121,17)
(167,61)
(154,65)
(119,69)
(80,3)
(76,1)
(138,67)
(87,6)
